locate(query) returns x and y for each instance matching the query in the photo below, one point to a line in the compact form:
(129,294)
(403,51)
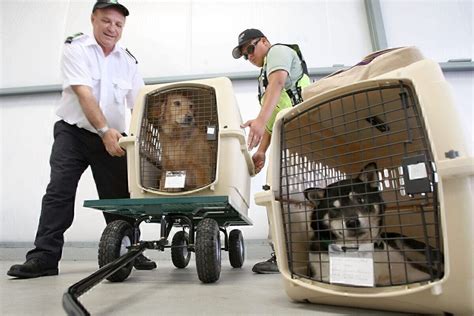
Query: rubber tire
(116,236)
(236,249)
(208,250)
(180,255)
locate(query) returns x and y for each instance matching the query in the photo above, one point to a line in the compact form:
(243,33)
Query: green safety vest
(287,98)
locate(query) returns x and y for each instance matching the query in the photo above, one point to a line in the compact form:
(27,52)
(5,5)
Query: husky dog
(351,212)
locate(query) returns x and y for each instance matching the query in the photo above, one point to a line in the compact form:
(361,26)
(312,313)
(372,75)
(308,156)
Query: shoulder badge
(72,37)
(130,54)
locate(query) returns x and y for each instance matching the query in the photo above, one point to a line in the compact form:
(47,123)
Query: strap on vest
(265,84)
(295,99)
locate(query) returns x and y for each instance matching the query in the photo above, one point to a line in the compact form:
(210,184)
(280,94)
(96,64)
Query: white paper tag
(417,171)
(352,265)
(211,130)
(175,179)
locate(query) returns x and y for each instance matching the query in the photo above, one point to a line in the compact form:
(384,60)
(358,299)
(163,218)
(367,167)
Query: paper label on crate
(352,264)
(211,130)
(417,171)
(175,179)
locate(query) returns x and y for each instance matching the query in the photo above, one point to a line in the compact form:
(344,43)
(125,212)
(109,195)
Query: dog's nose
(353,223)
(189,119)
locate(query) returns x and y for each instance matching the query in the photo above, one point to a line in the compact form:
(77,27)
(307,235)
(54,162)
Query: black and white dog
(350,212)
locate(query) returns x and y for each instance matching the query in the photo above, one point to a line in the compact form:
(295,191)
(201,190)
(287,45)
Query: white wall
(177,38)
(442,28)
(171,38)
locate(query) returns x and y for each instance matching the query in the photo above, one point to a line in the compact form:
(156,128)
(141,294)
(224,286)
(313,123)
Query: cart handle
(71,304)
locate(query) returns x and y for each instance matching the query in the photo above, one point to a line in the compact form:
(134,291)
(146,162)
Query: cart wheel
(117,236)
(179,250)
(236,249)
(208,250)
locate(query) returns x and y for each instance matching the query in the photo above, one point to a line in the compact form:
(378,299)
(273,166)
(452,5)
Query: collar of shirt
(91,41)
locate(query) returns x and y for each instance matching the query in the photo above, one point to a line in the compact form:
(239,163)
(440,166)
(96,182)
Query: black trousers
(74,149)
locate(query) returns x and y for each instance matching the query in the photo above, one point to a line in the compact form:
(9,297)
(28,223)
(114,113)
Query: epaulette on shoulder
(130,54)
(73,37)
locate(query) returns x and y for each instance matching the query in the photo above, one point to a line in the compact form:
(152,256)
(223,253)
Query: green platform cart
(201,221)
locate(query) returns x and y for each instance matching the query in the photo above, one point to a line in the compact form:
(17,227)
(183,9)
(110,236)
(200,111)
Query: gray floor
(167,290)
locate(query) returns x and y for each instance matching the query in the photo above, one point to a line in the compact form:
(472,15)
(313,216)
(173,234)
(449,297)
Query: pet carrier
(370,196)
(185,139)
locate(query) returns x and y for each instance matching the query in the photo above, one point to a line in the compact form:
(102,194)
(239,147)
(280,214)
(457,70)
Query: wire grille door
(178,139)
(358,190)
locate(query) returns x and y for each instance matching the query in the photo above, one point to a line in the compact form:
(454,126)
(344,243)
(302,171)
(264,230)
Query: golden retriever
(184,144)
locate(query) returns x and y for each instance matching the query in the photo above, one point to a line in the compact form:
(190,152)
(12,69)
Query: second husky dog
(350,212)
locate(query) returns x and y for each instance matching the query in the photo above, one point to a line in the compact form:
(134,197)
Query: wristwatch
(101,131)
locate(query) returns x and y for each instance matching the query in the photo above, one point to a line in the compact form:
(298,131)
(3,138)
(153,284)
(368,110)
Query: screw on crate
(451,154)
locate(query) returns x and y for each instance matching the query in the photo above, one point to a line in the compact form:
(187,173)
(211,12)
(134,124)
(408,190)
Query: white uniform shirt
(114,80)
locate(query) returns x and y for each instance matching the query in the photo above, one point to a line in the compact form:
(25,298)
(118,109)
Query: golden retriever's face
(179,109)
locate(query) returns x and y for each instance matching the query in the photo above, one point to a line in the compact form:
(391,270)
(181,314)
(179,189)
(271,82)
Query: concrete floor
(165,291)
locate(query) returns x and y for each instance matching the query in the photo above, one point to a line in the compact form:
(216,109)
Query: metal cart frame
(205,217)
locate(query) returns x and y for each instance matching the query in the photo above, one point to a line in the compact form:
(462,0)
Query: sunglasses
(250,49)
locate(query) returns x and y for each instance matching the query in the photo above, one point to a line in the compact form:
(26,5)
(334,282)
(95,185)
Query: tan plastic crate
(185,139)
(400,121)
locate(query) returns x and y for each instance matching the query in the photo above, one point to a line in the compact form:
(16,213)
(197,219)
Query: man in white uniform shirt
(100,79)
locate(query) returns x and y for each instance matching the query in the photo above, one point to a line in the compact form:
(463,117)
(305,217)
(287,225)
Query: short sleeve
(279,57)
(74,68)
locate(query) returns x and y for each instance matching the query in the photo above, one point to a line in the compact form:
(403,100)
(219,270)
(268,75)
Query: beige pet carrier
(185,139)
(403,243)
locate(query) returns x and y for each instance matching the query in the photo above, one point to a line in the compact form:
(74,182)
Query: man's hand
(110,140)
(257,128)
(94,115)
(258,160)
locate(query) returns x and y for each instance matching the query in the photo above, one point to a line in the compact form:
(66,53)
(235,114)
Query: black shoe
(266,267)
(143,263)
(32,268)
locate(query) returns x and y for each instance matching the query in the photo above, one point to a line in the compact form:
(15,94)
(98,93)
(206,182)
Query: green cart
(201,220)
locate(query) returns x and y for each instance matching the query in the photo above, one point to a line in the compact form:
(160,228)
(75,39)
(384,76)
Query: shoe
(143,263)
(266,267)
(32,268)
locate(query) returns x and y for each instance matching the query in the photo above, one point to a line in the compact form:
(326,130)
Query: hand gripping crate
(185,140)
(404,242)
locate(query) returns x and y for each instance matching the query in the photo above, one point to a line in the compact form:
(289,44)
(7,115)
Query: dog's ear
(156,110)
(314,195)
(369,175)
(163,104)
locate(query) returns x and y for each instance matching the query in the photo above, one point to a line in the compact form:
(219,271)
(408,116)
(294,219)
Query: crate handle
(239,134)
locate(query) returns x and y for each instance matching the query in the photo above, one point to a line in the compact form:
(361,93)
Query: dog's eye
(361,200)
(177,103)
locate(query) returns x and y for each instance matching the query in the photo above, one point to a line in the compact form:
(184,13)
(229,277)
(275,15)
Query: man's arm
(94,115)
(259,156)
(276,83)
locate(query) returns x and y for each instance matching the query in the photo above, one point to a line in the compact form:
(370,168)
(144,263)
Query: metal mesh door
(178,139)
(357,171)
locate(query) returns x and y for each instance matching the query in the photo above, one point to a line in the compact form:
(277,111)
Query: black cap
(100,4)
(244,37)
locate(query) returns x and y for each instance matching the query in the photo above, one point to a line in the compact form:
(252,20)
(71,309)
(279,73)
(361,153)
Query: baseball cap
(244,37)
(100,4)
